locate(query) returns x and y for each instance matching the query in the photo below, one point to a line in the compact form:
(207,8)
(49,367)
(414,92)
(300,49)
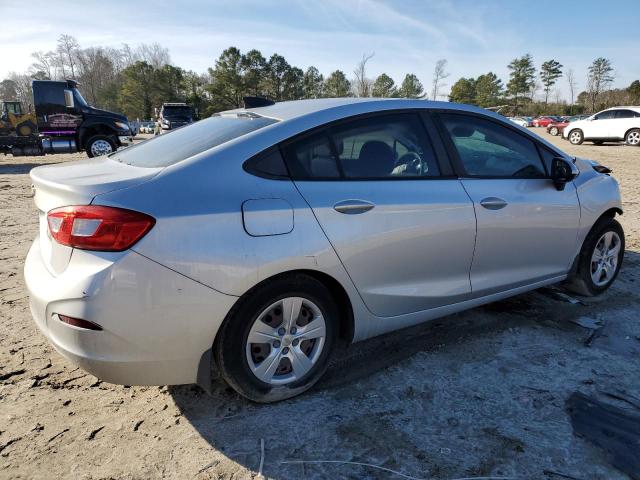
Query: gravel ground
(481,393)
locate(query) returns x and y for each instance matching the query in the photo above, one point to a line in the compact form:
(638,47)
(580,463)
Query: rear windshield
(185,142)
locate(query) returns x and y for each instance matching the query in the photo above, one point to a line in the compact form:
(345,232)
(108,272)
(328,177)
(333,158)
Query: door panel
(531,238)
(411,251)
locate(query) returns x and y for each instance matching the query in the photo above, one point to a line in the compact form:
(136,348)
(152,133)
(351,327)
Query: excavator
(14,121)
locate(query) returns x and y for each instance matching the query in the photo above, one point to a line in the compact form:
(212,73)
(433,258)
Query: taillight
(96,227)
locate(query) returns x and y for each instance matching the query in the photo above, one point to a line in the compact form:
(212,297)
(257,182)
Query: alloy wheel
(633,138)
(604,259)
(286,341)
(553,131)
(575,137)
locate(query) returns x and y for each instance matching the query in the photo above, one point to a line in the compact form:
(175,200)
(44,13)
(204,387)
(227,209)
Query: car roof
(290,110)
(624,107)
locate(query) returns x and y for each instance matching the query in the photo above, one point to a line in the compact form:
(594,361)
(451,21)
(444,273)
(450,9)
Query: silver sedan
(254,240)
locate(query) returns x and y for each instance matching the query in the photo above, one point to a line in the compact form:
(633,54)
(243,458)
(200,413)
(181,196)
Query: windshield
(79,98)
(180,144)
(176,111)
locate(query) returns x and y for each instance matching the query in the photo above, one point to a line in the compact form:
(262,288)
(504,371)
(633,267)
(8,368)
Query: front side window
(377,147)
(608,115)
(488,149)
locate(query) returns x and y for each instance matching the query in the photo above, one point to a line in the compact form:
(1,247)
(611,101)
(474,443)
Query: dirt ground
(477,394)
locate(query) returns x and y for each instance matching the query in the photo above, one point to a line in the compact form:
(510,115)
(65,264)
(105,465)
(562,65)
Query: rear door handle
(493,203)
(353,207)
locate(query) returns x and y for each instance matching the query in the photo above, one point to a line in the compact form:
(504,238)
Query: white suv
(614,124)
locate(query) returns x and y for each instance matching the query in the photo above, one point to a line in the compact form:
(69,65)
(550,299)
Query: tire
(632,138)
(100,145)
(237,357)
(582,281)
(553,131)
(576,137)
(26,129)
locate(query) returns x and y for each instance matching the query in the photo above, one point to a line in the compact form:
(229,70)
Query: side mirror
(68,99)
(562,172)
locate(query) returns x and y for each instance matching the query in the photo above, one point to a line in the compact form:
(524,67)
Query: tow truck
(63,123)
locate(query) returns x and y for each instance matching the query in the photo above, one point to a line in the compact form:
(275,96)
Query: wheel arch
(628,130)
(609,213)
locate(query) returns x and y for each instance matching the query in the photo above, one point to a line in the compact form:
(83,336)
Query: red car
(556,128)
(545,121)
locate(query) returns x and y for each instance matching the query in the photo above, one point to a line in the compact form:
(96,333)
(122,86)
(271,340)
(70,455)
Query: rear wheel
(26,128)
(633,137)
(276,342)
(553,131)
(600,258)
(100,145)
(576,137)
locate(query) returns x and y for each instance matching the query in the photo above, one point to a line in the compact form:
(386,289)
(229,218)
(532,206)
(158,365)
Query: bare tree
(571,81)
(439,74)
(44,62)
(67,50)
(599,79)
(154,54)
(362,84)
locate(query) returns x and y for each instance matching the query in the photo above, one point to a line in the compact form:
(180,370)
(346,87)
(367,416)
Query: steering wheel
(413,161)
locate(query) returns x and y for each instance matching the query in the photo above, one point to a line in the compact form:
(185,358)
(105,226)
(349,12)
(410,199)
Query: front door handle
(353,207)
(493,203)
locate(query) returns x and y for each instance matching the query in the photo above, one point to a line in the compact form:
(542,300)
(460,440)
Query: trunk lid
(77,183)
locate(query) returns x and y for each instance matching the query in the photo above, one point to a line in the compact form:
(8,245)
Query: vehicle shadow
(398,400)
(20,168)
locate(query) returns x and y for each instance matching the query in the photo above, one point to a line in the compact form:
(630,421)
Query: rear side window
(488,149)
(378,147)
(626,114)
(185,142)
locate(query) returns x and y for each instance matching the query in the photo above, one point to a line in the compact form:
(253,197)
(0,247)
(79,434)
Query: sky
(406,36)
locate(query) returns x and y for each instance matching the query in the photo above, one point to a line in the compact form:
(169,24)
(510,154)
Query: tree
(337,85)
(138,88)
(68,49)
(253,70)
(293,84)
(8,90)
(571,82)
(550,71)
(361,84)
(384,87)
(463,91)
(521,78)
(44,62)
(488,90)
(312,83)
(439,74)
(275,71)
(227,86)
(154,54)
(599,78)
(411,87)
(169,84)
(634,92)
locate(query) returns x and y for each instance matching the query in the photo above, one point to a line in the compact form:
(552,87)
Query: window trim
(455,159)
(446,170)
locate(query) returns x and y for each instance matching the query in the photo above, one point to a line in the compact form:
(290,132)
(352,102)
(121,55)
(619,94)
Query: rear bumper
(158,326)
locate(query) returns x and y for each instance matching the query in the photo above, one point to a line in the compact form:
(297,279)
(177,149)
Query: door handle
(353,207)
(493,203)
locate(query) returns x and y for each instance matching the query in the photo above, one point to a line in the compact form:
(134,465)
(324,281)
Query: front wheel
(600,258)
(553,131)
(276,342)
(576,137)
(633,137)
(100,145)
